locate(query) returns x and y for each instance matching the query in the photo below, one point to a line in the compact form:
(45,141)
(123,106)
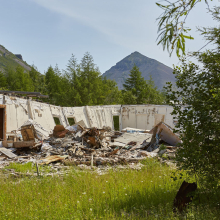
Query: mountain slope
(160,73)
(8,59)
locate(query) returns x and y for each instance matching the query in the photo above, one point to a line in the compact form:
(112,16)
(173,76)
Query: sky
(48,32)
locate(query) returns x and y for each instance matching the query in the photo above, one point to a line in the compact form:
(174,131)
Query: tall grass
(123,194)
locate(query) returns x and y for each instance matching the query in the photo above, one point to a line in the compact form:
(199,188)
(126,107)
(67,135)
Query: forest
(81,84)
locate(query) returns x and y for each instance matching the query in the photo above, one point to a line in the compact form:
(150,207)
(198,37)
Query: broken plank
(20,144)
(7,152)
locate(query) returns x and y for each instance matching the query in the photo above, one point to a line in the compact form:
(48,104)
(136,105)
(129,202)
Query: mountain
(160,73)
(8,59)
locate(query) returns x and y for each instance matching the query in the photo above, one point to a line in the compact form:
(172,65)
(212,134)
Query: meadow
(147,193)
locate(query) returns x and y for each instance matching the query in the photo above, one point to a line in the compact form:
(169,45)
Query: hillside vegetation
(9,60)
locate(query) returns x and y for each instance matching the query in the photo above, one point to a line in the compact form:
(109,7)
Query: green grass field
(120,194)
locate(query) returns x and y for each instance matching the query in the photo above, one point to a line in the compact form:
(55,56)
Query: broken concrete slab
(139,138)
(165,133)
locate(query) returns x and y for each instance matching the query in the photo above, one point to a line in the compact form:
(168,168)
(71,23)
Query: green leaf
(188,37)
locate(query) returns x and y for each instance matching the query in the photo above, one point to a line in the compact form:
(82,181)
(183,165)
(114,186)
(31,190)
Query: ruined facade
(15,111)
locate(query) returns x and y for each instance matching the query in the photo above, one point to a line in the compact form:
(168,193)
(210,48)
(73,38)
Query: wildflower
(77,201)
(126,194)
(103,192)
(90,209)
(106,181)
(84,193)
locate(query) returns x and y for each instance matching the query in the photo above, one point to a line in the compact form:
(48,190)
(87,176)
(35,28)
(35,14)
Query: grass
(120,194)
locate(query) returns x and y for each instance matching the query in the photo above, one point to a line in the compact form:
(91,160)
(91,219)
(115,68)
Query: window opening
(56,120)
(71,121)
(116,123)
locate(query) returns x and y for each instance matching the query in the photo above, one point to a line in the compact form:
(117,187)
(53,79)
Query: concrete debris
(78,145)
(165,133)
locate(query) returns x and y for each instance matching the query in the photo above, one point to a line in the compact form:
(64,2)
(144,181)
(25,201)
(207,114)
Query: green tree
(54,86)
(110,93)
(71,74)
(91,81)
(19,80)
(196,107)
(38,80)
(3,81)
(139,91)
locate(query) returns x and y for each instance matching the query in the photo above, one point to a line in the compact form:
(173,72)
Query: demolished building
(86,135)
(15,111)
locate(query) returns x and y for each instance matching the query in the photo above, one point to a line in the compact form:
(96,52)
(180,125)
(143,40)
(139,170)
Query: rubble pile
(77,145)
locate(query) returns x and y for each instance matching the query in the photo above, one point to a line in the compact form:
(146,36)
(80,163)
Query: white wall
(17,112)
(135,116)
(1,99)
(145,116)
(42,114)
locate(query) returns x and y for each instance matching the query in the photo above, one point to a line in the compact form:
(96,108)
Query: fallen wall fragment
(165,133)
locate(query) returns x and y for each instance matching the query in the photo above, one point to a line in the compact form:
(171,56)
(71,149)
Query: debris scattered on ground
(78,145)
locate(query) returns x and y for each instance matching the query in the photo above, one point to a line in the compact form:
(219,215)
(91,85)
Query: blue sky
(47,32)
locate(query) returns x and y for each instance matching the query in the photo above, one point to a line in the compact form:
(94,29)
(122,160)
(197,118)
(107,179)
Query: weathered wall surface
(100,116)
(78,113)
(135,116)
(17,112)
(145,116)
(42,114)
(1,99)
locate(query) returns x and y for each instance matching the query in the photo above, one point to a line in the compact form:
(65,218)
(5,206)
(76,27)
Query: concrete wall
(42,114)
(1,99)
(135,116)
(17,112)
(146,116)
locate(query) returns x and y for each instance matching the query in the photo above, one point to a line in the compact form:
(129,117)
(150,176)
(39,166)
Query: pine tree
(91,81)
(136,86)
(137,90)
(38,79)
(52,81)
(71,74)
(3,81)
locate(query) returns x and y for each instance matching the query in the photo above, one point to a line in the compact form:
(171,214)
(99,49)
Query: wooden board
(28,132)
(20,144)
(7,152)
